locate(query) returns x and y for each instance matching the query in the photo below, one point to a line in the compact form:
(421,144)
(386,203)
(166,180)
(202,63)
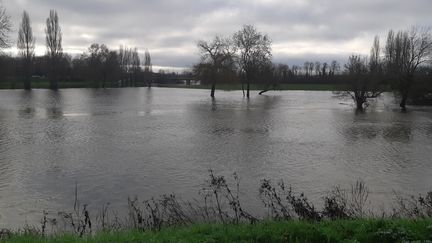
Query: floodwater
(115,143)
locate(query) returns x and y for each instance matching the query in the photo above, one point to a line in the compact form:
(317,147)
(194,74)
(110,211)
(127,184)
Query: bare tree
(5,27)
(405,52)
(54,45)
(26,45)
(295,69)
(361,86)
(126,60)
(324,69)
(334,68)
(217,58)
(148,71)
(254,53)
(311,68)
(375,59)
(136,67)
(306,68)
(318,68)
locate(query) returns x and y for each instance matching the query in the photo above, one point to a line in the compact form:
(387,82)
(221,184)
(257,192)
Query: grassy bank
(391,230)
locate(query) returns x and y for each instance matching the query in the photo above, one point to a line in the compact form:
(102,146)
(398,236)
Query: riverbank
(364,230)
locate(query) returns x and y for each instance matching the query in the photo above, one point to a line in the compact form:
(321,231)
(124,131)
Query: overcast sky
(300,29)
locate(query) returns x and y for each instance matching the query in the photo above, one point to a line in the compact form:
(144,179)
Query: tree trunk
(243,89)
(247,90)
(359,106)
(262,92)
(265,90)
(359,103)
(403,101)
(213,90)
(405,87)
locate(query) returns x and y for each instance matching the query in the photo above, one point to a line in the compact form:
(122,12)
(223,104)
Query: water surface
(116,143)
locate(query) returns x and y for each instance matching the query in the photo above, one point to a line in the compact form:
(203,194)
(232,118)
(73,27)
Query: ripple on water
(125,142)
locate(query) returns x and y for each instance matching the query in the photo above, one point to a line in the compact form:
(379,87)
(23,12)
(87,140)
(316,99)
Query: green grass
(394,230)
(41,83)
(232,87)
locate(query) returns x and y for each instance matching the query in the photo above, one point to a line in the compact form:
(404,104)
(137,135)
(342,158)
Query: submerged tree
(217,59)
(405,52)
(361,86)
(26,45)
(5,27)
(54,45)
(254,53)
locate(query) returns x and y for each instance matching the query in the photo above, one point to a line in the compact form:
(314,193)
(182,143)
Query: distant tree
(148,71)
(376,68)
(295,69)
(217,59)
(112,68)
(306,68)
(54,46)
(81,68)
(361,87)
(334,68)
(98,62)
(274,75)
(318,68)
(311,68)
(64,67)
(254,53)
(375,62)
(324,69)
(405,52)
(5,27)
(135,67)
(26,45)
(94,63)
(125,60)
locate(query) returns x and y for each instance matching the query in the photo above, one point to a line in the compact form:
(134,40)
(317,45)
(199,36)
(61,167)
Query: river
(115,143)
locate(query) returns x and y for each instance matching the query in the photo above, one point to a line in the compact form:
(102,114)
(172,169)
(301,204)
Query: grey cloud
(170,28)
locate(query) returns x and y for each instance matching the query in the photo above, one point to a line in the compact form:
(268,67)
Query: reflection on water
(123,142)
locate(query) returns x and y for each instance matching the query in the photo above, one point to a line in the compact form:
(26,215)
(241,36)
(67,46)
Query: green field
(391,230)
(231,87)
(42,83)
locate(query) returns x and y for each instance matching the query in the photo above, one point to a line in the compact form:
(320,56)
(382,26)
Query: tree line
(402,65)
(97,67)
